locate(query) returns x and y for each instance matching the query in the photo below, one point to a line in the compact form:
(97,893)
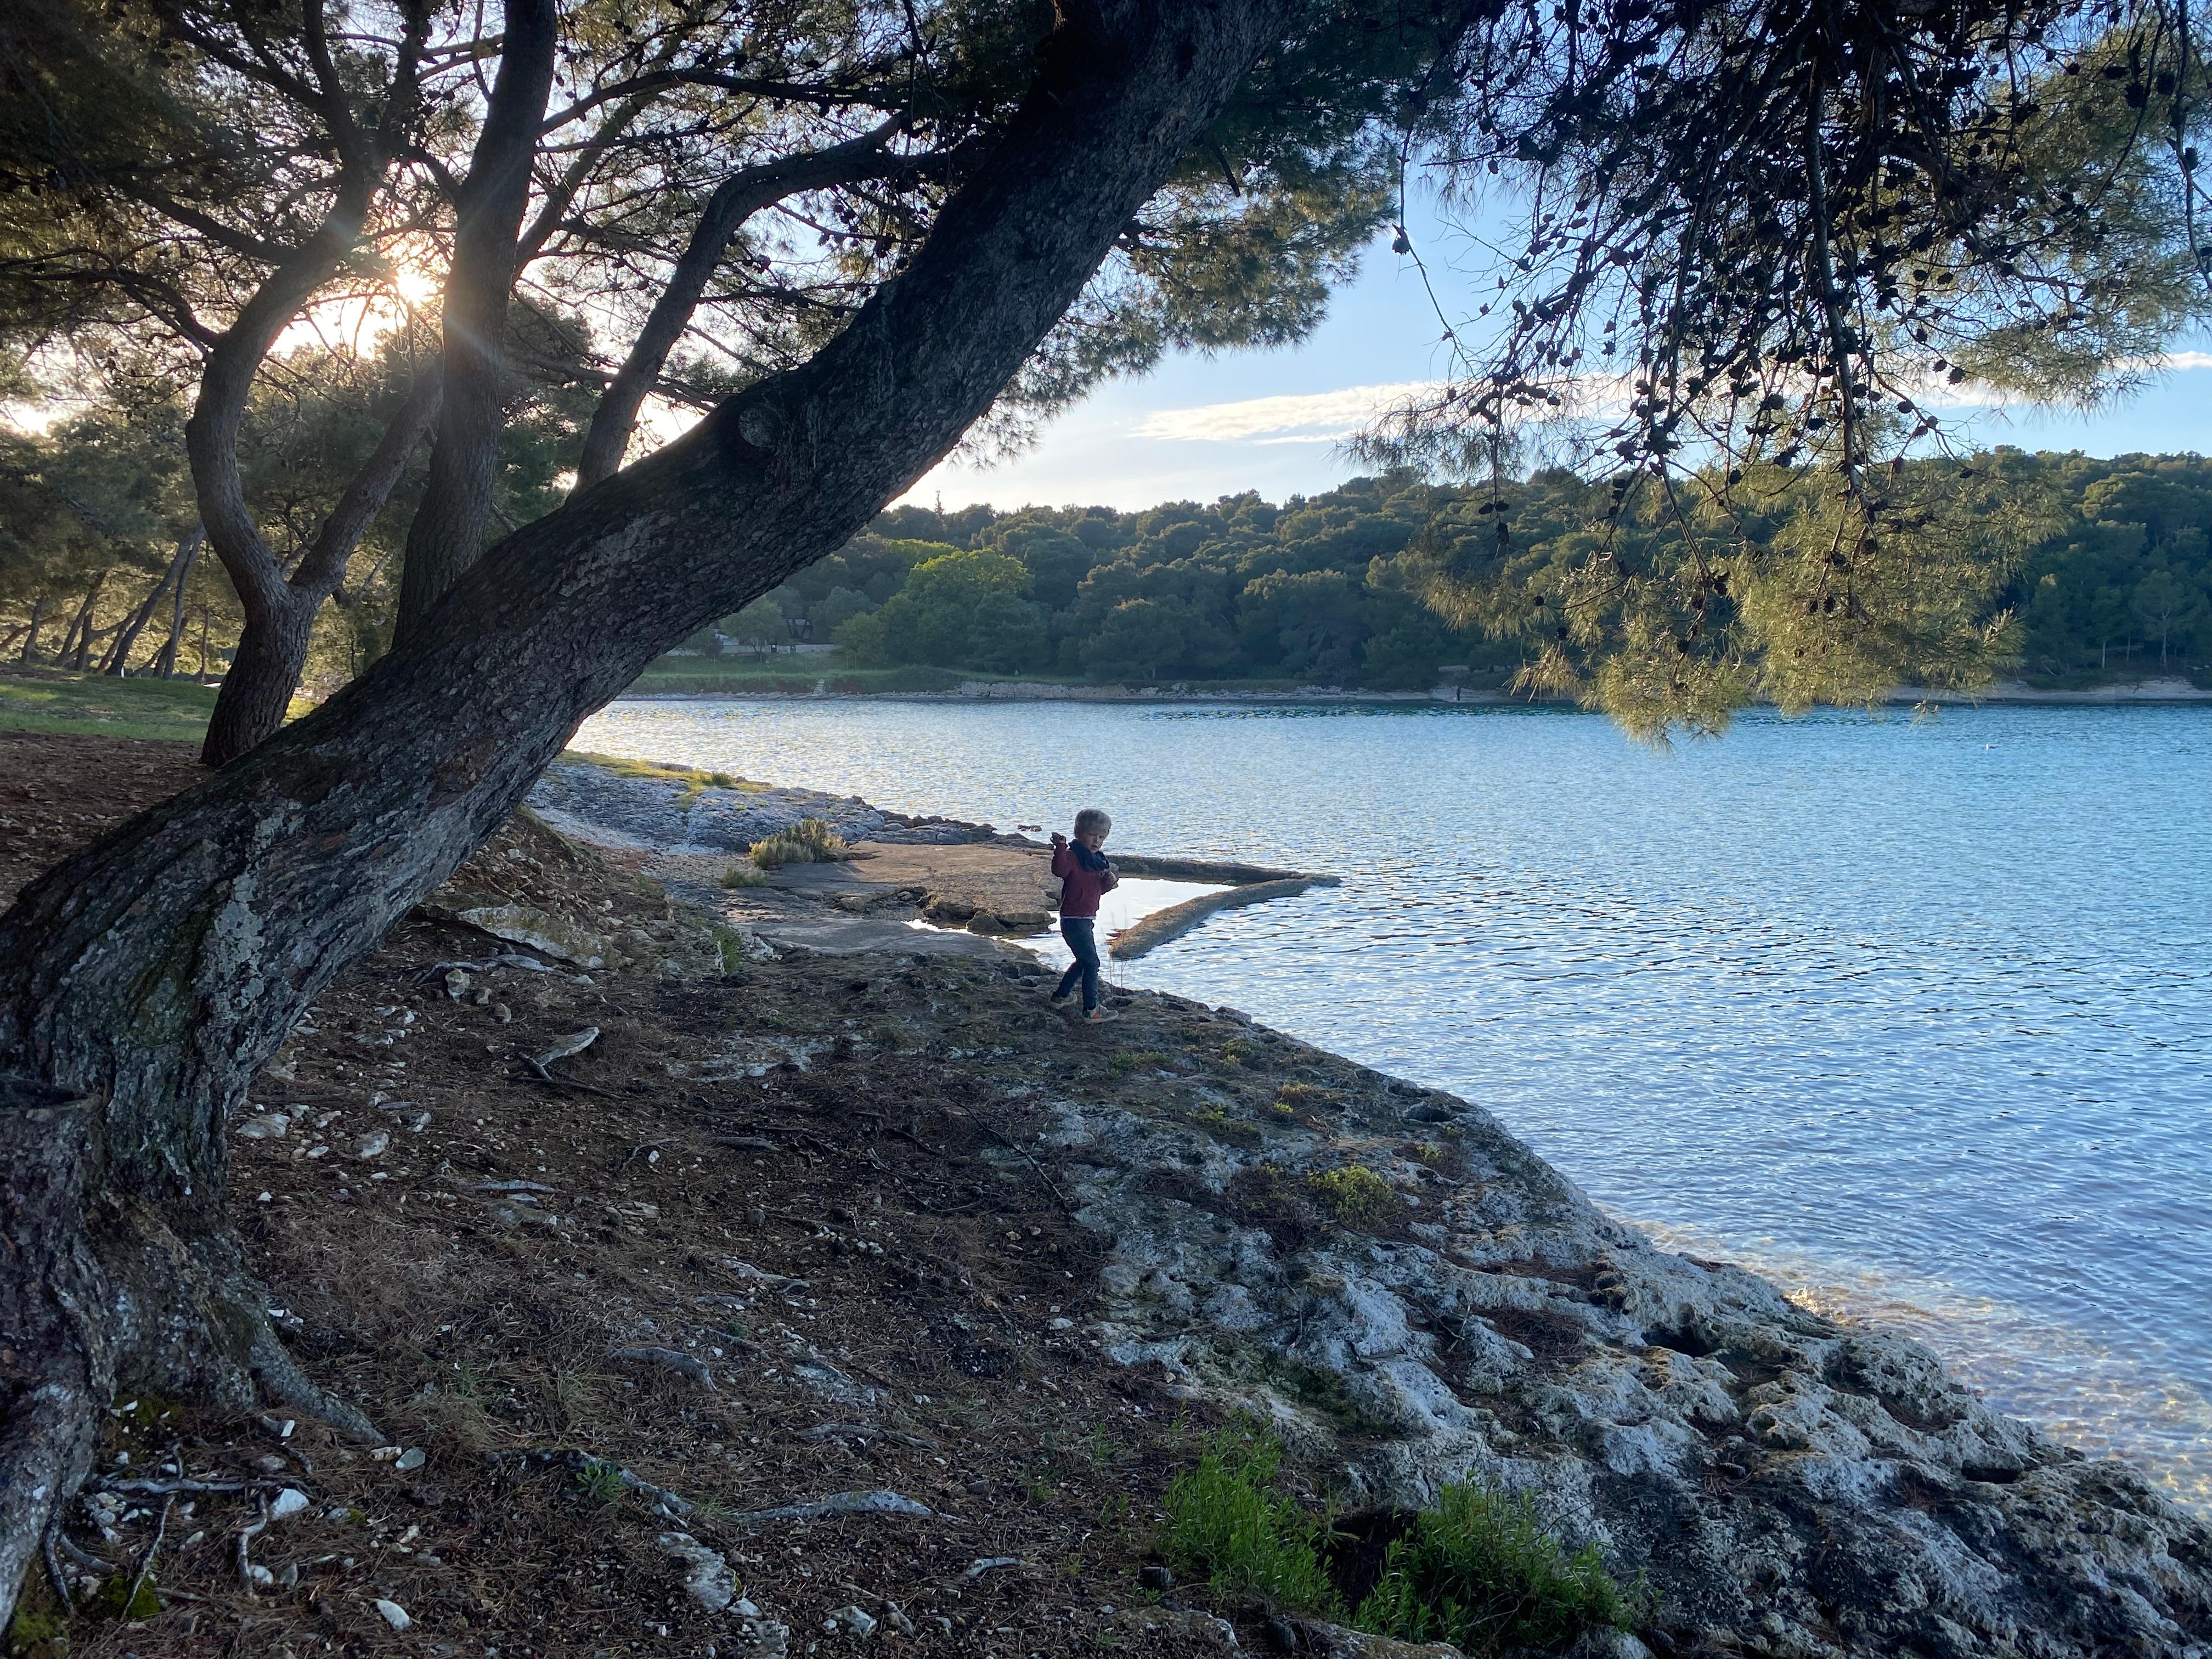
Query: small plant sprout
(602,1483)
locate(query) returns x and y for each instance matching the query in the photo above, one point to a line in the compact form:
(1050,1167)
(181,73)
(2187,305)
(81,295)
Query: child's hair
(1090,819)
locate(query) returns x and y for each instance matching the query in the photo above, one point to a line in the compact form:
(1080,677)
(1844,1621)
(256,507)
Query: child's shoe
(1101,1015)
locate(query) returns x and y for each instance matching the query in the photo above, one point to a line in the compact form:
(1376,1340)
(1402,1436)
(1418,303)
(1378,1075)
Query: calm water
(1917,1017)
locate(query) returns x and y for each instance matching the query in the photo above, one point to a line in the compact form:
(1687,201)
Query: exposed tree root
(89,1301)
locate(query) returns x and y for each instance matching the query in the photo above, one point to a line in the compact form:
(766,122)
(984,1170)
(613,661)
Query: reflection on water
(1917,1017)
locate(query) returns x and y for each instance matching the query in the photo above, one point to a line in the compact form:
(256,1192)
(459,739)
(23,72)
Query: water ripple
(1912,1015)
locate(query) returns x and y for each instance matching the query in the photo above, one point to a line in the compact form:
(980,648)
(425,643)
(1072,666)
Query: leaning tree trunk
(31,635)
(280,615)
(447,533)
(79,629)
(165,664)
(264,672)
(118,654)
(143,983)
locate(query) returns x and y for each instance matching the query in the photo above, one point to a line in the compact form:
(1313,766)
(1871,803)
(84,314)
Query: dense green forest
(1331,589)
(2113,580)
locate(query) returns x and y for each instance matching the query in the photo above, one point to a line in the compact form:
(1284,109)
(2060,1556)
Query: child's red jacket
(1079,887)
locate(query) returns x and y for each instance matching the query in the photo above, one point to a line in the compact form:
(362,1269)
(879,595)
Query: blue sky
(1196,427)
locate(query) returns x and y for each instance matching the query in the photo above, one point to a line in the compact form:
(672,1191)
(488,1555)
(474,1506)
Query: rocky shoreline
(1791,1485)
(756,1273)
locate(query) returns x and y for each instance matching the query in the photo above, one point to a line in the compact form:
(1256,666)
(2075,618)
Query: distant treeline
(1329,589)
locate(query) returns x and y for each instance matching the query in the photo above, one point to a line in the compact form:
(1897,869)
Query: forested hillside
(2115,583)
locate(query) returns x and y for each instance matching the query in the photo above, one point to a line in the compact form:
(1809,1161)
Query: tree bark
(151,975)
(257,691)
(735,201)
(447,534)
(165,664)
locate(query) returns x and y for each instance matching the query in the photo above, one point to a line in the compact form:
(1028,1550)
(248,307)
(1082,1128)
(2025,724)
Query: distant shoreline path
(2169,690)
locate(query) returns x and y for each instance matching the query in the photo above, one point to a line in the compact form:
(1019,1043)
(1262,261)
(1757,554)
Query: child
(1084,874)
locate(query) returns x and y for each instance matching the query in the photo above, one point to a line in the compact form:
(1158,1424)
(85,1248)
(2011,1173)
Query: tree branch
(733,202)
(322,568)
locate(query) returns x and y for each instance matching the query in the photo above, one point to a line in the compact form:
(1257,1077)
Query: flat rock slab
(673,808)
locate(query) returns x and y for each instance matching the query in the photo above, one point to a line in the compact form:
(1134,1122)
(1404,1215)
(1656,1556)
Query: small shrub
(1222,1127)
(600,1482)
(810,840)
(1123,1062)
(744,873)
(730,946)
(1227,1526)
(1355,1195)
(1480,1572)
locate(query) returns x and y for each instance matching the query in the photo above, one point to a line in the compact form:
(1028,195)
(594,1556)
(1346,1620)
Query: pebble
(290,1501)
(410,1460)
(373,1144)
(269,1126)
(850,1619)
(392,1614)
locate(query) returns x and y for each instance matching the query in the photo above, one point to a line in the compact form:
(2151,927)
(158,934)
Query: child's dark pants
(1081,933)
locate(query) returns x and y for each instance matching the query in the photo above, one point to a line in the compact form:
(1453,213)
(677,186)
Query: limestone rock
(1792,1485)
(709,1579)
(852,1621)
(526,924)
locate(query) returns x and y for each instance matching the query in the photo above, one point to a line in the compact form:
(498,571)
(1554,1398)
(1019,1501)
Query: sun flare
(413,286)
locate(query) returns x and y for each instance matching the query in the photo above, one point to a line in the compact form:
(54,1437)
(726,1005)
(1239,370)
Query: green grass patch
(1228,1527)
(51,700)
(600,1482)
(810,840)
(1123,1061)
(695,779)
(730,946)
(1222,1127)
(1478,1571)
(1355,1195)
(788,677)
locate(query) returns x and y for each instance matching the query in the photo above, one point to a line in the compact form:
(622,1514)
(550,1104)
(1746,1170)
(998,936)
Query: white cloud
(1314,417)
(1331,417)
